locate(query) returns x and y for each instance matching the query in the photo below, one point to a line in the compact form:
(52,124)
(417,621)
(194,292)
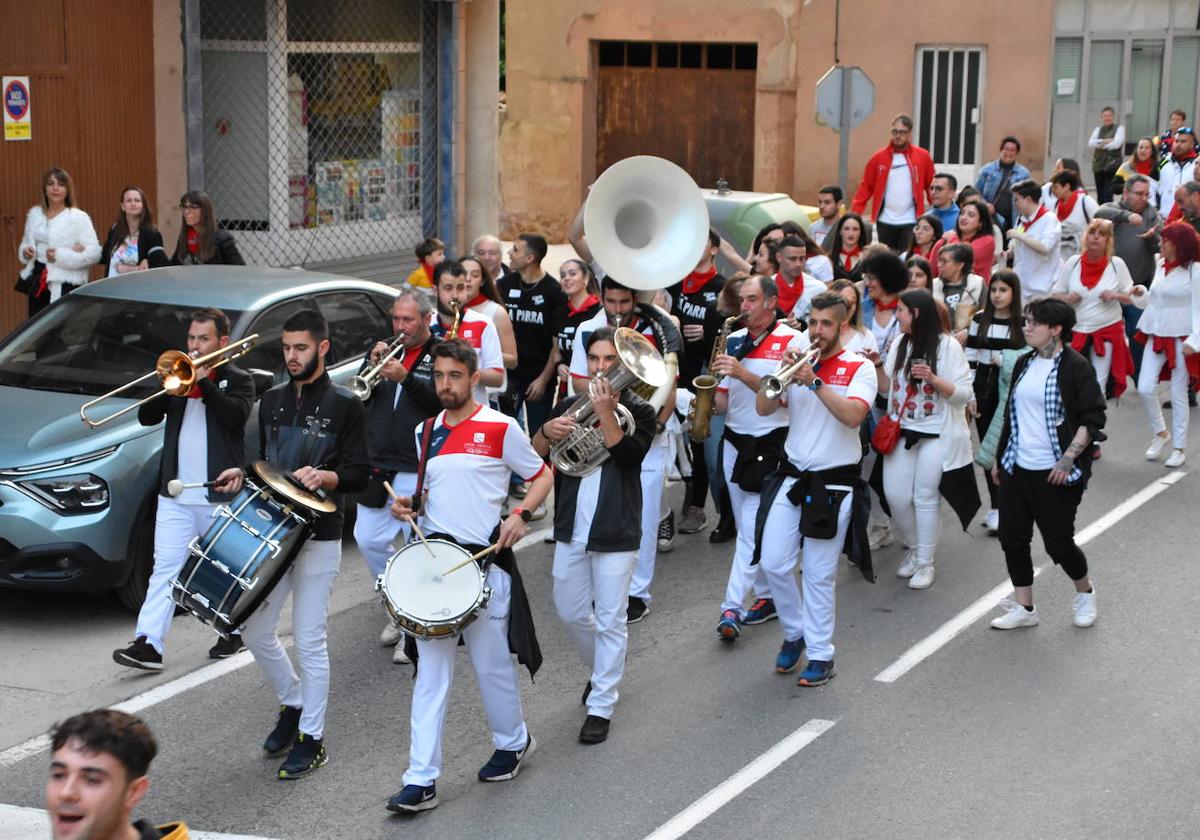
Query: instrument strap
(748,347)
(426,434)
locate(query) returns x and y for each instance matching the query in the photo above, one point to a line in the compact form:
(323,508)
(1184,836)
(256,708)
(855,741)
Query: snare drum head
(414,583)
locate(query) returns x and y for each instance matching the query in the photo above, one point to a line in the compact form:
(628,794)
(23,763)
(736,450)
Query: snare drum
(421,601)
(248,548)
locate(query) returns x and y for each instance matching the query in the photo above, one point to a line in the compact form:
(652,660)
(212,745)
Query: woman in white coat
(59,244)
(928,386)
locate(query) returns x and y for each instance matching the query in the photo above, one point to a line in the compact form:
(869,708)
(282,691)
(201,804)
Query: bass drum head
(414,584)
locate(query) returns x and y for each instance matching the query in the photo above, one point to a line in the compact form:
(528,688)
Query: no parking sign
(17,125)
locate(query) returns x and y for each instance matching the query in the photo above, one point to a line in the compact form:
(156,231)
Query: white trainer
(880,537)
(399,657)
(1017,616)
(992,522)
(922,578)
(1175,459)
(1085,608)
(389,635)
(1156,447)
(909,566)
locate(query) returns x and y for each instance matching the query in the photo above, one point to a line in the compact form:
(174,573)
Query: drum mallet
(411,520)
(176,487)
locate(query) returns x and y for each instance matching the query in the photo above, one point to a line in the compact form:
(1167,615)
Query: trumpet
(774,384)
(176,372)
(363,384)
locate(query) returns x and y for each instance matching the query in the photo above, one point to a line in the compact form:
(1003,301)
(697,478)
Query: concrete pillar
(480,68)
(170,134)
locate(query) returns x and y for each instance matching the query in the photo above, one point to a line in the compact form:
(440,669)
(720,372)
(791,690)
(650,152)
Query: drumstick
(411,521)
(471,559)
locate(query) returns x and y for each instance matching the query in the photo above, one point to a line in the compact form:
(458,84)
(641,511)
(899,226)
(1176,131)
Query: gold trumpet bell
(176,372)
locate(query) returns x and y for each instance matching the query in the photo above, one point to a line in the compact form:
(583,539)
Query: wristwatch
(525,515)
(816,384)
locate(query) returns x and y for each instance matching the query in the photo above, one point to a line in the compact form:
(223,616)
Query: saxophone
(452,333)
(705,385)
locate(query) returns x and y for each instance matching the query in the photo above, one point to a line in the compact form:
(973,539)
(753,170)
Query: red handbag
(886,434)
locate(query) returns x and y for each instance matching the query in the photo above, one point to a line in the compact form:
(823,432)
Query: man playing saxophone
(598,528)
(453,320)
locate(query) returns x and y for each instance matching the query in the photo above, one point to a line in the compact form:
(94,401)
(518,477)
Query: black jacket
(321,428)
(225,252)
(391,444)
(617,522)
(1083,405)
(227,404)
(150,248)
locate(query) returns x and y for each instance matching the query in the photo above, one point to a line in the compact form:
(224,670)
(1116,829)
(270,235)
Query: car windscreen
(91,345)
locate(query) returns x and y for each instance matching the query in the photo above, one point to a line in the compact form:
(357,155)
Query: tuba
(700,414)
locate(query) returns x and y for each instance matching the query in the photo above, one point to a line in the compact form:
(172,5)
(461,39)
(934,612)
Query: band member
(100,772)
(753,443)
(1054,416)
(450,283)
(316,430)
(597,531)
(205,435)
(812,493)
(403,398)
(470,453)
(620,311)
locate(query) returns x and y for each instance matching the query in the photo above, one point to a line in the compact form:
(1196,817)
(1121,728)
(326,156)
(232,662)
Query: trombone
(773,385)
(176,371)
(365,383)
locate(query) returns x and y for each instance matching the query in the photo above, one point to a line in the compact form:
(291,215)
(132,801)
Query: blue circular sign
(16,100)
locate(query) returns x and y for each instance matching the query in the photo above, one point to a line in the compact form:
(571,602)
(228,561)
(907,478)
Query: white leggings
(743,578)
(1102,365)
(653,472)
(1152,365)
(910,482)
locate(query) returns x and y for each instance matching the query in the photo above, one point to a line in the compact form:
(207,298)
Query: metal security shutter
(1185,64)
(948,83)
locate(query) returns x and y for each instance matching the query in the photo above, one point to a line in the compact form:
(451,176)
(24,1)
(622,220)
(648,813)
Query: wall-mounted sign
(17,125)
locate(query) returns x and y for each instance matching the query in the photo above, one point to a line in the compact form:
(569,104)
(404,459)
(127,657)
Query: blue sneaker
(760,612)
(412,799)
(817,672)
(727,627)
(505,764)
(789,656)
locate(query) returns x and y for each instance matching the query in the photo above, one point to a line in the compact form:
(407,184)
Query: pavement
(935,726)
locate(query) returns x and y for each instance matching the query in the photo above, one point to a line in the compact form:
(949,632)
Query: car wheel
(132,592)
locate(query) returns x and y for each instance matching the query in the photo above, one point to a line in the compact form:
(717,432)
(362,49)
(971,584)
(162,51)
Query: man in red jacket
(896,181)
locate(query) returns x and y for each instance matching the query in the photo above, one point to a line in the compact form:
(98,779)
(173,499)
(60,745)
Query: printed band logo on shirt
(479,437)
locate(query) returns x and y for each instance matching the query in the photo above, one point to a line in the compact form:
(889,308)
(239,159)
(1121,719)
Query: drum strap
(426,433)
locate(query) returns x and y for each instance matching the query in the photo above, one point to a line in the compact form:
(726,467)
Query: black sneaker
(141,654)
(724,532)
(505,764)
(666,532)
(281,737)
(636,611)
(412,799)
(307,756)
(594,730)
(226,647)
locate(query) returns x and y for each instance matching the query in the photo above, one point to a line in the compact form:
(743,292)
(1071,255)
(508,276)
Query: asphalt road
(1050,732)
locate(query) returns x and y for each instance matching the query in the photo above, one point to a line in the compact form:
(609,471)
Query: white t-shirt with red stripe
(467,472)
(816,439)
(478,331)
(742,416)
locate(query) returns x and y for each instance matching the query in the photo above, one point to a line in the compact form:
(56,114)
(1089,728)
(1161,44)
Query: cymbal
(285,485)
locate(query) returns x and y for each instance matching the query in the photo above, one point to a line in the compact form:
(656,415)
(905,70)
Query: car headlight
(68,494)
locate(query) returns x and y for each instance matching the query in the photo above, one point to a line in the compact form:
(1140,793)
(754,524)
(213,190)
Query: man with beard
(450,284)
(314,429)
(469,452)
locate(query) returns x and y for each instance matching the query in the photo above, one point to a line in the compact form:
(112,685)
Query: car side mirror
(263,381)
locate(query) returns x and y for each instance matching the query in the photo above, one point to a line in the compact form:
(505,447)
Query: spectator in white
(1179,168)
(829,205)
(1034,242)
(942,204)
(958,287)
(488,251)
(1075,210)
(1107,143)
(796,288)
(996,179)
(1143,161)
(816,262)
(59,245)
(1060,165)
(896,180)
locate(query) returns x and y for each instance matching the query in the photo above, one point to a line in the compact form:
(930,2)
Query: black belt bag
(376,495)
(819,506)
(757,457)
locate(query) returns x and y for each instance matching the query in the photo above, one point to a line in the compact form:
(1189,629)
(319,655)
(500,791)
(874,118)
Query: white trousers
(1102,365)
(653,474)
(379,534)
(487,645)
(910,481)
(175,526)
(813,616)
(591,596)
(743,578)
(1152,365)
(309,581)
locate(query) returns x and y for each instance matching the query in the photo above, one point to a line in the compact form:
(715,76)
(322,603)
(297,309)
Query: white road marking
(532,538)
(944,634)
(34,824)
(722,794)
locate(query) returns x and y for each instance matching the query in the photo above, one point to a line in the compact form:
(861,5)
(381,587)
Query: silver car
(77,504)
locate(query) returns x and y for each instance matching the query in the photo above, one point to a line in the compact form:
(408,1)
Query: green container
(738,216)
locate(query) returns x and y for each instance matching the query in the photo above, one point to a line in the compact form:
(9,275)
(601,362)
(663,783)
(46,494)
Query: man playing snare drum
(467,459)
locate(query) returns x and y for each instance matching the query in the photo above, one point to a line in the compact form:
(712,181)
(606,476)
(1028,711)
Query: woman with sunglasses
(200,241)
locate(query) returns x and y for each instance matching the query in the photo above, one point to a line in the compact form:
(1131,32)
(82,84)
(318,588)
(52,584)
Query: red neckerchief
(1041,211)
(193,241)
(780,282)
(428,269)
(194,394)
(1189,156)
(588,303)
(695,281)
(886,306)
(475,301)
(1090,272)
(917,252)
(1065,206)
(1169,266)
(1144,167)
(848,256)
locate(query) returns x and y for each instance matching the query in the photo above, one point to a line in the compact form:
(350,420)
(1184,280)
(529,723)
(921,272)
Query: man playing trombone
(205,434)
(398,394)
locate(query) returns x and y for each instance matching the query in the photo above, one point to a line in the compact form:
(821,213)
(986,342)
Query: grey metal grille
(315,128)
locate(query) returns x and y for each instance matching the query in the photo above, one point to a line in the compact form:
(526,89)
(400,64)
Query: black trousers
(698,484)
(1104,193)
(1026,499)
(895,237)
